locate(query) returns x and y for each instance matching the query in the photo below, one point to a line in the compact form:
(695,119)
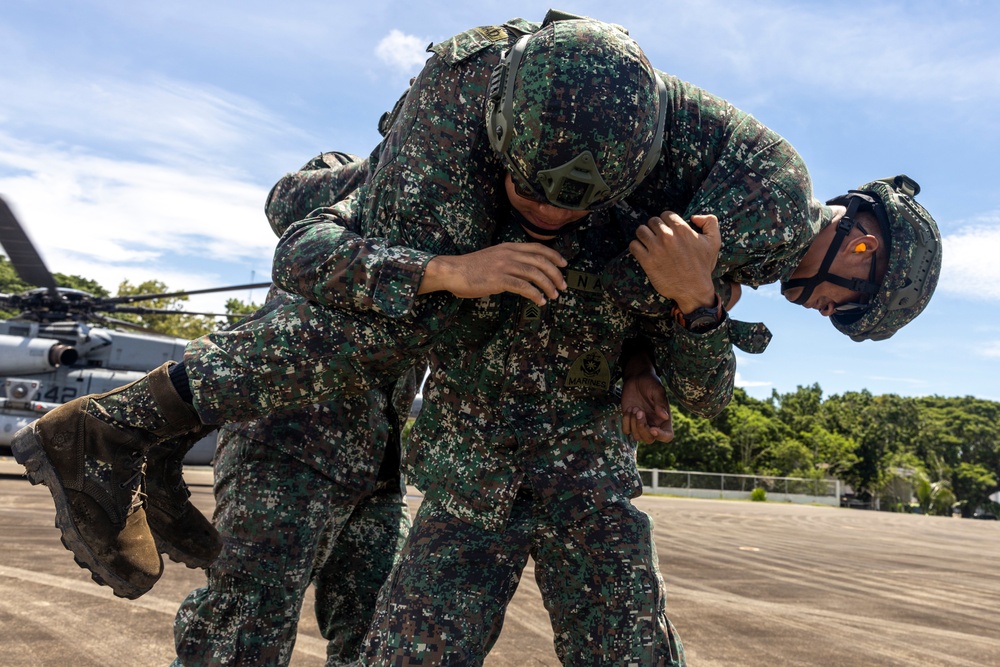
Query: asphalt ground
(749,584)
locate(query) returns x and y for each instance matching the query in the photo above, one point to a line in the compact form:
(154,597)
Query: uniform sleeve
(326,179)
(325,260)
(434,188)
(719,160)
(699,369)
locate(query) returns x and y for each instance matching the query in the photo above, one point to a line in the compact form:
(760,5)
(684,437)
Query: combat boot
(90,453)
(181,531)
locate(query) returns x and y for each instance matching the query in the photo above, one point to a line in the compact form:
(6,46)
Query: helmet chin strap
(823,275)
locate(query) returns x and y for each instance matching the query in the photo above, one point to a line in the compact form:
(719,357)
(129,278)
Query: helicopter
(66,343)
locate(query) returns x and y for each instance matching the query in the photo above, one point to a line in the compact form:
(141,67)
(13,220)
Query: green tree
(933,497)
(80,283)
(800,409)
(241,308)
(11,283)
(697,445)
(881,426)
(753,430)
(972,484)
(755,437)
(831,452)
(179,325)
(789,457)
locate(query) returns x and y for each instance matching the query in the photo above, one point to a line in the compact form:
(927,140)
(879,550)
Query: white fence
(739,487)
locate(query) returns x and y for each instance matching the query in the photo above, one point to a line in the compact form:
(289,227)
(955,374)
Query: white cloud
(990,350)
(114,219)
(816,46)
(970,267)
(740,382)
(402,51)
(149,179)
(915,382)
(162,120)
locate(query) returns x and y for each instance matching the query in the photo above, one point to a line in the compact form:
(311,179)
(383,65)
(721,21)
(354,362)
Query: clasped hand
(678,259)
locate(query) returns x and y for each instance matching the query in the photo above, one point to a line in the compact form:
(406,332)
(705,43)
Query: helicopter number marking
(52,395)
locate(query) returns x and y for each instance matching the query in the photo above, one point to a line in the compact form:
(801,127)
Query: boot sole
(28,451)
(177,555)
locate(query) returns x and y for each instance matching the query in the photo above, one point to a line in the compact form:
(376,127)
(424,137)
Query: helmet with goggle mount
(914,260)
(577,112)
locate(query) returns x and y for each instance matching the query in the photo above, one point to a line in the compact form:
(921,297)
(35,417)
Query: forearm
(700,369)
(324,261)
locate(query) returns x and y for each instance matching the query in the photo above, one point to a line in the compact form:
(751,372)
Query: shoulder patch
(493,33)
(470,42)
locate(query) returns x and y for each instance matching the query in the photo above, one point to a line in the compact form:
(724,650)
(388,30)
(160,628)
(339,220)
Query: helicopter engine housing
(19,354)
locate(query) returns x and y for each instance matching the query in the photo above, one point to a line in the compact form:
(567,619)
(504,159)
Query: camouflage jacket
(719,160)
(506,404)
(353,440)
(524,396)
(436,187)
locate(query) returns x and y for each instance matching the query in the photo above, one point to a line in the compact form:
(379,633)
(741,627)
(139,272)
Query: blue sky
(138,140)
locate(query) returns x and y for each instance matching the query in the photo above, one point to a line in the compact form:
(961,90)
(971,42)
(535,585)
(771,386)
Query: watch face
(703,323)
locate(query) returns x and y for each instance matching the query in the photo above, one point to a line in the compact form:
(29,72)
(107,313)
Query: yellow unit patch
(493,33)
(586,282)
(590,370)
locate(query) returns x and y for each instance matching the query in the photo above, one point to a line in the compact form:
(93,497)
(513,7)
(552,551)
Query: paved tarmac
(751,584)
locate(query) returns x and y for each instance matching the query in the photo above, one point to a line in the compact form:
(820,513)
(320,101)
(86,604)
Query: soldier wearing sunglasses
(522,453)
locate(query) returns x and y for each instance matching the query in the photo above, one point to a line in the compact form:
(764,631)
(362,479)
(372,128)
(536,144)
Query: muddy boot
(181,531)
(90,453)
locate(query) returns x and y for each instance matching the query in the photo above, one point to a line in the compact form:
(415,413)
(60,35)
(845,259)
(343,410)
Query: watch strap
(703,319)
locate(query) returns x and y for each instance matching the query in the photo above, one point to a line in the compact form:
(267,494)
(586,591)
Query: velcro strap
(751,337)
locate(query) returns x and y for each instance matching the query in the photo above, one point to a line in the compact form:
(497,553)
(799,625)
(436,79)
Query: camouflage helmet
(577,112)
(914,259)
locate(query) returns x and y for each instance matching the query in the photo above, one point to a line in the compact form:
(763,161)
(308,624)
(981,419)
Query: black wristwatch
(701,320)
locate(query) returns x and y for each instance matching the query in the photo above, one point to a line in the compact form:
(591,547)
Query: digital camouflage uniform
(556,475)
(308,496)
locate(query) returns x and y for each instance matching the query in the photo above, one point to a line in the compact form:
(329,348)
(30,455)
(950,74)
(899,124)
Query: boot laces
(137,482)
(174,476)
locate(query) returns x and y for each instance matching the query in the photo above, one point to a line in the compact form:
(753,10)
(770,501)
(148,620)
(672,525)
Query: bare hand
(645,409)
(529,269)
(678,259)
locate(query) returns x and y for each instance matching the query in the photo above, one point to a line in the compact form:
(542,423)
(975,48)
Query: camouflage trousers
(285,526)
(299,354)
(445,601)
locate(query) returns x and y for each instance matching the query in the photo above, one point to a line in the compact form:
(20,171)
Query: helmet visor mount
(584,178)
(574,185)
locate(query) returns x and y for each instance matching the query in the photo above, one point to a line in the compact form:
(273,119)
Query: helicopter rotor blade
(146,297)
(104,319)
(142,310)
(22,253)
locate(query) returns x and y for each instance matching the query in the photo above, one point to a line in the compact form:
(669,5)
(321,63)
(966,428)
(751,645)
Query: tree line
(942,452)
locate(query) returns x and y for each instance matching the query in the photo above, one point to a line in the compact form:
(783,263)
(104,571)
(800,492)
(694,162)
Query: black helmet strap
(823,275)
